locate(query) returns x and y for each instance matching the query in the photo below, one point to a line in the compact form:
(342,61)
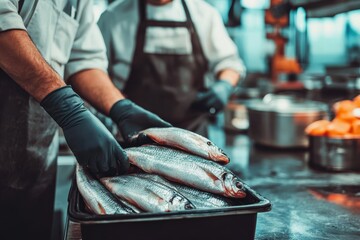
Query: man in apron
(159,52)
(43,42)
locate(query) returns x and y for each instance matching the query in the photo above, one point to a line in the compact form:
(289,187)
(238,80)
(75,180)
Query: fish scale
(97,198)
(146,194)
(187,169)
(199,198)
(187,141)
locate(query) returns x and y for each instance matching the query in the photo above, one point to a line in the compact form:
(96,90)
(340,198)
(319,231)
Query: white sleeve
(119,33)
(219,49)
(9,17)
(105,27)
(88,50)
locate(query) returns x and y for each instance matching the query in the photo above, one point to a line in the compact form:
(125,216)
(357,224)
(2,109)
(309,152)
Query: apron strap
(195,41)
(21,3)
(71,8)
(141,32)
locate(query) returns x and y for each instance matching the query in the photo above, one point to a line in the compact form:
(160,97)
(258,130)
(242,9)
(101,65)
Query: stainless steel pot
(236,116)
(280,121)
(335,154)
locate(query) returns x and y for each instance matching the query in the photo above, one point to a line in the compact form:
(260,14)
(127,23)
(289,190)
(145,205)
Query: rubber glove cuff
(223,90)
(61,104)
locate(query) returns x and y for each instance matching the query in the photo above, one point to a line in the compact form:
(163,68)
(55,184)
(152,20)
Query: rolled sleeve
(88,50)
(220,50)
(10,19)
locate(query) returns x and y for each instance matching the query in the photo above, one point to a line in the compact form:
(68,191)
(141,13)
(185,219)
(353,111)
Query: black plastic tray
(235,222)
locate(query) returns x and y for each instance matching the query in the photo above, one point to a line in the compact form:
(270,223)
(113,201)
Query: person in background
(43,43)
(160,52)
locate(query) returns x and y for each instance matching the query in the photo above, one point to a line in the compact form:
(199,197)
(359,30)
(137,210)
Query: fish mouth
(220,156)
(224,157)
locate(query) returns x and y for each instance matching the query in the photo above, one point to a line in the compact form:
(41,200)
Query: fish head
(217,153)
(233,186)
(181,203)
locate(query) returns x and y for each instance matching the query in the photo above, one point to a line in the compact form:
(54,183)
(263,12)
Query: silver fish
(146,194)
(187,141)
(187,169)
(97,198)
(199,198)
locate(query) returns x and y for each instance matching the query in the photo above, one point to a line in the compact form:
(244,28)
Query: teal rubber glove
(215,99)
(132,119)
(92,144)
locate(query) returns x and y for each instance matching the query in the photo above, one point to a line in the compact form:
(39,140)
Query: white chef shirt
(119,24)
(68,44)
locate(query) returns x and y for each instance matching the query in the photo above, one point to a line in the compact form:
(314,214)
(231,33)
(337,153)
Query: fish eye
(209,143)
(188,206)
(239,185)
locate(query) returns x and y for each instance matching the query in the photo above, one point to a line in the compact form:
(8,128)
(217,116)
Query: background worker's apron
(167,83)
(29,141)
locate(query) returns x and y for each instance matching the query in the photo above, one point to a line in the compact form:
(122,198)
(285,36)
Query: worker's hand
(215,99)
(132,118)
(92,144)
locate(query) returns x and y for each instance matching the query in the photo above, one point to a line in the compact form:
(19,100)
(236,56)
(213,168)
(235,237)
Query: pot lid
(287,104)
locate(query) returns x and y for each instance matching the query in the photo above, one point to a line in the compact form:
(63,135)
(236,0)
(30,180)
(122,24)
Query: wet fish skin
(187,169)
(187,141)
(97,198)
(146,194)
(199,198)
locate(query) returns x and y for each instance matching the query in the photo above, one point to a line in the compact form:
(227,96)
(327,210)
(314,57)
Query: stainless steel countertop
(302,204)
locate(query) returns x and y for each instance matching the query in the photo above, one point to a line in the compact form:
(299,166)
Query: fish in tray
(199,198)
(187,141)
(97,198)
(187,169)
(146,194)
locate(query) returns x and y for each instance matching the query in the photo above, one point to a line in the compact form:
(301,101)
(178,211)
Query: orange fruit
(346,116)
(338,127)
(344,106)
(356,101)
(317,128)
(355,127)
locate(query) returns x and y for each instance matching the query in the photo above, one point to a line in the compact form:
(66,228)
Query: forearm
(230,76)
(95,86)
(21,60)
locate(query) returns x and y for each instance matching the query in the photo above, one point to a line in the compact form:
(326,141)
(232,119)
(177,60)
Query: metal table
(307,203)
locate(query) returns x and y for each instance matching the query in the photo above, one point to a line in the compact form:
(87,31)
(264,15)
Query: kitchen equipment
(236,116)
(334,154)
(235,112)
(280,120)
(238,221)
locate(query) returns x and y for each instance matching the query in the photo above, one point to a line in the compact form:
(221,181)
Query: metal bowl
(280,121)
(334,154)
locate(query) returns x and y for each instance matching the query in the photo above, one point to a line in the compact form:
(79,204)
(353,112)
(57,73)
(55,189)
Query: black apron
(28,153)
(167,84)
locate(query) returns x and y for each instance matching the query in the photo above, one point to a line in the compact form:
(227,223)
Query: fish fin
(211,175)
(102,209)
(159,199)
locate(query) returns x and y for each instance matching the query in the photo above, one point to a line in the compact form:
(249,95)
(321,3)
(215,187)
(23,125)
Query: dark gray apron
(28,152)
(27,163)
(167,84)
